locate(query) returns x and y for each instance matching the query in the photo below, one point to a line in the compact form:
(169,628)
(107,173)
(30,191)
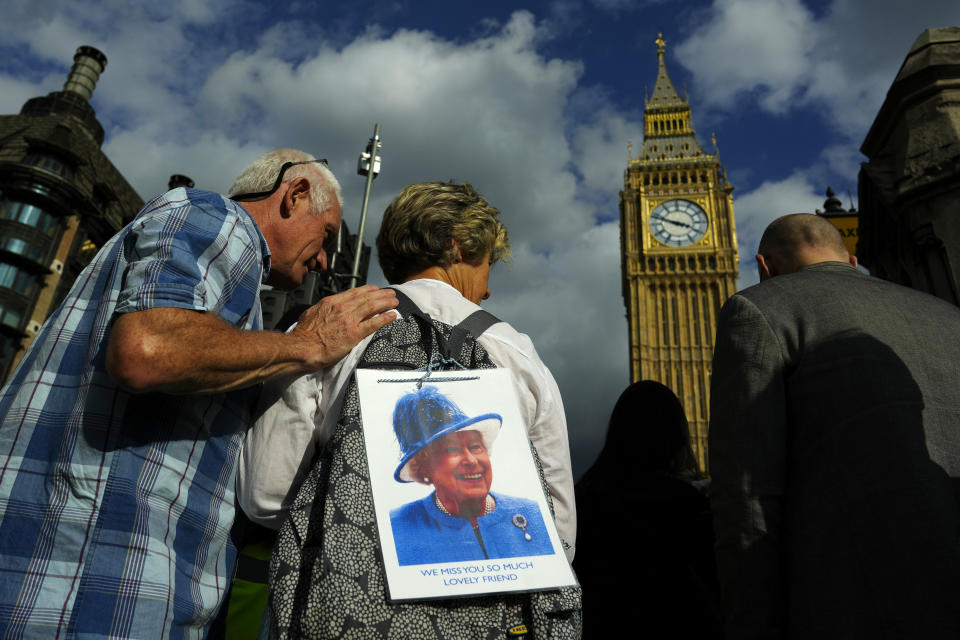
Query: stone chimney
(88,64)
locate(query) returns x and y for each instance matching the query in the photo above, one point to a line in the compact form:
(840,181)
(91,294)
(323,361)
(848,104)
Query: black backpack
(327,578)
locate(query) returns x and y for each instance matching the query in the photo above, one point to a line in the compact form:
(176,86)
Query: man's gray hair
(261,175)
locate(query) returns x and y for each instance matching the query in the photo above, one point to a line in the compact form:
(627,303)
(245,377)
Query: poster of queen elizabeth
(459,505)
(461,519)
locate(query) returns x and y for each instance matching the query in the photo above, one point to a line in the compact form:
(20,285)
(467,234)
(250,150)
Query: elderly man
(835,448)
(117,497)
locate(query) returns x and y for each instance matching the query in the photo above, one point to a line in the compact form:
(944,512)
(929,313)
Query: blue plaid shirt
(115,508)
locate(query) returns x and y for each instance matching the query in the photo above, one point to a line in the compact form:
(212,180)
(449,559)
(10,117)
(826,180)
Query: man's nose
(322,260)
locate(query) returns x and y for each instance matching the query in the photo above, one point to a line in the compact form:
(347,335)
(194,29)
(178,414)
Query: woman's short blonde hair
(427,223)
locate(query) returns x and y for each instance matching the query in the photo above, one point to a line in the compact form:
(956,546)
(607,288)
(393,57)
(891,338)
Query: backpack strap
(473,325)
(406,306)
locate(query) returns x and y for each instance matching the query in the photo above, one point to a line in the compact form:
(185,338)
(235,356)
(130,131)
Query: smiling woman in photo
(461,519)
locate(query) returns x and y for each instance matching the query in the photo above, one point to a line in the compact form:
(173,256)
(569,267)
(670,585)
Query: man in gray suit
(835,448)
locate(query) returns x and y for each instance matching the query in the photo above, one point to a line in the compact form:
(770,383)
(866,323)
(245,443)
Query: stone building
(60,199)
(910,187)
(678,253)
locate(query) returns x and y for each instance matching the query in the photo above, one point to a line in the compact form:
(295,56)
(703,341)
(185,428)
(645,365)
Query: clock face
(678,223)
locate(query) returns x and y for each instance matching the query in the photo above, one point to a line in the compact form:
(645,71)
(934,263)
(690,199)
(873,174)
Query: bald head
(799,240)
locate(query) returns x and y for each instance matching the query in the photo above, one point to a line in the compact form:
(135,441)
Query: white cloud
(600,148)
(489,110)
(15,91)
(779,54)
(755,210)
(571,305)
(750,45)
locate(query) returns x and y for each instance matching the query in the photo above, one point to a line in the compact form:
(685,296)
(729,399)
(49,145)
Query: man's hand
(182,351)
(337,323)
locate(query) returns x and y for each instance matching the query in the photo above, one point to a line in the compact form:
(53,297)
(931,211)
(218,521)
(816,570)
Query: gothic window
(663,318)
(23,248)
(23,282)
(10,317)
(50,162)
(28,214)
(676,322)
(696,321)
(707,320)
(704,390)
(696,394)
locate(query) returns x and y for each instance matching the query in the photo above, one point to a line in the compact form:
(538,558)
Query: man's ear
(853,260)
(298,188)
(764,267)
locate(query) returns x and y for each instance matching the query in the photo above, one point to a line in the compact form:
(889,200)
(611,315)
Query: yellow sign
(847,225)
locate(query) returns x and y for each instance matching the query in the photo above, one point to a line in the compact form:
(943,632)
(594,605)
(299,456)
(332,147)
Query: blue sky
(532,102)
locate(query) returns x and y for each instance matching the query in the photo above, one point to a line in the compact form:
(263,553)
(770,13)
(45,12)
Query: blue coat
(424,535)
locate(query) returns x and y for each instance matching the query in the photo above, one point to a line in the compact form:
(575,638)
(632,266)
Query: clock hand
(679,223)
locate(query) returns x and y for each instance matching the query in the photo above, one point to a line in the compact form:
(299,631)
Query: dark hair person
(640,516)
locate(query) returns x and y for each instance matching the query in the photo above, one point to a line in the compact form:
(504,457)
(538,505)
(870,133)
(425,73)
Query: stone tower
(910,187)
(678,253)
(60,199)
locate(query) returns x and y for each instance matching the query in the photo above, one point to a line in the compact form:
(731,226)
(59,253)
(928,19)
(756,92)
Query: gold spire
(664,93)
(668,133)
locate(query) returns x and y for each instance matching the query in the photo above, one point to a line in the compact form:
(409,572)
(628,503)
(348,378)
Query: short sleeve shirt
(115,508)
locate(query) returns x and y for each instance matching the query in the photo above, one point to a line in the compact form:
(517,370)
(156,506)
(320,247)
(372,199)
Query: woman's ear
(418,467)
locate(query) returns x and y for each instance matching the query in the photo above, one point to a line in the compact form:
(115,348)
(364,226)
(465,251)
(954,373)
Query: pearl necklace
(488,505)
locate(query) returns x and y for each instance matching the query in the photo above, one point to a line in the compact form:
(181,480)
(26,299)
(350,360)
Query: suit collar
(832,266)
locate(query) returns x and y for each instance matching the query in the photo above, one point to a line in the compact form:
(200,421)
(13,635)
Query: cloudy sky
(532,102)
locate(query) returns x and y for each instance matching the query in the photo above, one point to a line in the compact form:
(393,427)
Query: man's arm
(748,424)
(176,350)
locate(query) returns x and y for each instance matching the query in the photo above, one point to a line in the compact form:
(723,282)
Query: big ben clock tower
(678,253)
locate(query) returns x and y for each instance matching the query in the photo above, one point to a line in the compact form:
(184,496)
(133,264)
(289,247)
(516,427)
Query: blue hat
(425,415)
